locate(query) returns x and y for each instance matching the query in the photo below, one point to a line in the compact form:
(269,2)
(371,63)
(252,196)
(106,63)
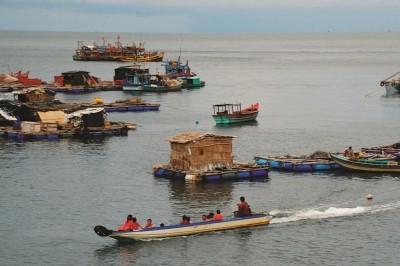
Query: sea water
(316,92)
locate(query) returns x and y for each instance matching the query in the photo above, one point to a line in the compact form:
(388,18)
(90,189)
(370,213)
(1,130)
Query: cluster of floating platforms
(88,133)
(239,172)
(296,164)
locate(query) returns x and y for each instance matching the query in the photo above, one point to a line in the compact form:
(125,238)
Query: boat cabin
(34,94)
(200,151)
(76,78)
(132,70)
(227,108)
(90,117)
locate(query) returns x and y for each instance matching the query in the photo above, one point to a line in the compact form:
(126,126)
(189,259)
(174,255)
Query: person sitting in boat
(243,208)
(185,220)
(127,224)
(135,225)
(204,217)
(218,216)
(349,152)
(210,216)
(149,224)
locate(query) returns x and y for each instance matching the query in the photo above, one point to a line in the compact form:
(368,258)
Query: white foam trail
(331,212)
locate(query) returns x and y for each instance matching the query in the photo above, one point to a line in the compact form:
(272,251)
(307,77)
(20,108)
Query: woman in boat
(127,224)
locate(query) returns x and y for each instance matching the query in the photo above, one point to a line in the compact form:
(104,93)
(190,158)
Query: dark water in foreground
(316,92)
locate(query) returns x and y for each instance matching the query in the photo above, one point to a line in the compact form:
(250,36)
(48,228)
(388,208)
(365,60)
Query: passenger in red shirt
(243,208)
(135,225)
(218,216)
(127,224)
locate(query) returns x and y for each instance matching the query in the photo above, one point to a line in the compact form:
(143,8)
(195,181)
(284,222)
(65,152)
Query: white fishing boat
(392,84)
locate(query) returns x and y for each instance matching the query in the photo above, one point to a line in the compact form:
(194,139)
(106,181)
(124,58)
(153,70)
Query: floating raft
(296,164)
(238,172)
(130,105)
(118,129)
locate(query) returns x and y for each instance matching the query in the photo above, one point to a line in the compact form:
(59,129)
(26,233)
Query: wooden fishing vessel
(116,52)
(367,166)
(186,229)
(233,113)
(163,85)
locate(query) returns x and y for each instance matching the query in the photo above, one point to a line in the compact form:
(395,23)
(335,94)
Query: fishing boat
(392,149)
(162,85)
(115,52)
(392,84)
(186,229)
(377,166)
(233,113)
(176,69)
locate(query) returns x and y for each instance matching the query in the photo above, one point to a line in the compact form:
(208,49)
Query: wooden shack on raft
(200,151)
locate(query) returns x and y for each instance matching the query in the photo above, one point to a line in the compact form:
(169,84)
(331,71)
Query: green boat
(232,113)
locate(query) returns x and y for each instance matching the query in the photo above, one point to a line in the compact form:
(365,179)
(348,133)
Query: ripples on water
(316,91)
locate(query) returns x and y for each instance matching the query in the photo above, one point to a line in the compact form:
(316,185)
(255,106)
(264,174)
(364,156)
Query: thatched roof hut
(200,152)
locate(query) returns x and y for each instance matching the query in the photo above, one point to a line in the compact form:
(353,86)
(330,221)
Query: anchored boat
(233,113)
(367,166)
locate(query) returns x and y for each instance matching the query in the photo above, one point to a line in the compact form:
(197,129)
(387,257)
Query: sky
(201,16)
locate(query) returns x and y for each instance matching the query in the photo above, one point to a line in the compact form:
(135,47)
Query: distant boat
(186,229)
(176,69)
(392,84)
(116,52)
(376,166)
(233,113)
(163,85)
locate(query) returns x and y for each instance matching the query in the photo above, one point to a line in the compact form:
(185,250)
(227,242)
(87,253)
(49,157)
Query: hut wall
(202,155)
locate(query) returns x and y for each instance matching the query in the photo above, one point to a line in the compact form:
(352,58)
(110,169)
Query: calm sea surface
(316,92)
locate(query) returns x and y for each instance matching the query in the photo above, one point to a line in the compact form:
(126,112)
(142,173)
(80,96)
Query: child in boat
(149,224)
(127,224)
(185,220)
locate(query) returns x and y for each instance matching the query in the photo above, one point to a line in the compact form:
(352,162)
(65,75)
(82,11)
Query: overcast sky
(201,15)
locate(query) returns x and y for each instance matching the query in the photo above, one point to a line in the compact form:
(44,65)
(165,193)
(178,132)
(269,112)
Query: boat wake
(329,212)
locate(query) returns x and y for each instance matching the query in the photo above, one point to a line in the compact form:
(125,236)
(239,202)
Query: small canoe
(186,229)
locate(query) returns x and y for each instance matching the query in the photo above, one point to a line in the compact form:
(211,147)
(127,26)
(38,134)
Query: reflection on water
(119,253)
(241,124)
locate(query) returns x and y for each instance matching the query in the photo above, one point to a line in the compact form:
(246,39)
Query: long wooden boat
(366,166)
(233,113)
(186,229)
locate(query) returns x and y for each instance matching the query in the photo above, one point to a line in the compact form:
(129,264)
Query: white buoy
(369,197)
